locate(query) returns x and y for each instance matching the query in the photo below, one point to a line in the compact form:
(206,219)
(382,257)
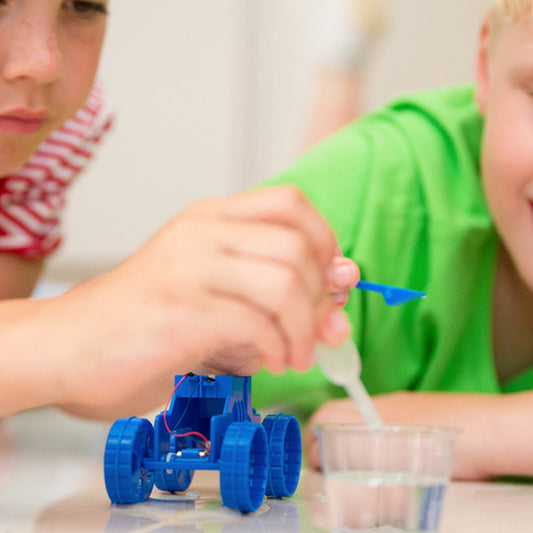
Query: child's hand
(227,286)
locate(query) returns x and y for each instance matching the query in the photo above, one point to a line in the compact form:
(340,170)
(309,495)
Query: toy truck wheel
(285,447)
(128,443)
(173,481)
(244,466)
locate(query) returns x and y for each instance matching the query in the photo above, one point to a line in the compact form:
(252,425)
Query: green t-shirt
(401,187)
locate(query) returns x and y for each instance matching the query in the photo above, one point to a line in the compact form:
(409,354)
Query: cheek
(80,65)
(507,156)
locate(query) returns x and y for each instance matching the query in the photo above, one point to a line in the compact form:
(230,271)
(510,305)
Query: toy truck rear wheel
(285,447)
(174,480)
(128,443)
(244,466)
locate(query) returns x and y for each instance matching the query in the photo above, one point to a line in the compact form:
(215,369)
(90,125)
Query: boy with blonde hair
(435,192)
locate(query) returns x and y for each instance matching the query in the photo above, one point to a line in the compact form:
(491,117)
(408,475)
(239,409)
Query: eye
(4,6)
(85,9)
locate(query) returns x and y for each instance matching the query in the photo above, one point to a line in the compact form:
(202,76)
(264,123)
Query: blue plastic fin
(391,295)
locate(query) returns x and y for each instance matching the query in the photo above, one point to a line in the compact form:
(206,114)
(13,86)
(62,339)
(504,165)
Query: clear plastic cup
(389,480)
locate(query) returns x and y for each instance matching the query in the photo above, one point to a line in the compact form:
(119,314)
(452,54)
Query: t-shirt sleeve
(354,176)
(32,198)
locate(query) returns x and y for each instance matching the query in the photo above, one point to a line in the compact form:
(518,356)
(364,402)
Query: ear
(482,66)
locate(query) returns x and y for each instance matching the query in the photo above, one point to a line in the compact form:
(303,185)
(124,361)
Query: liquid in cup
(391,480)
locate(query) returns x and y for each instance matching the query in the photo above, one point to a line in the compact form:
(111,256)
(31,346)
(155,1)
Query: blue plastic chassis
(254,459)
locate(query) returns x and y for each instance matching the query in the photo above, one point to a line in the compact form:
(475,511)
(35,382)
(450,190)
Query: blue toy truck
(209,424)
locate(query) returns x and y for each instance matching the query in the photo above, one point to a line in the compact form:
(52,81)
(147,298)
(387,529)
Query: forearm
(478,417)
(495,434)
(494,431)
(509,451)
(73,352)
(27,356)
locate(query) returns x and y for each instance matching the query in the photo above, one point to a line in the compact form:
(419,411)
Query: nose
(34,52)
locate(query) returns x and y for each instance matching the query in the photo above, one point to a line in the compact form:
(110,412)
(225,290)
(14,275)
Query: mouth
(22,121)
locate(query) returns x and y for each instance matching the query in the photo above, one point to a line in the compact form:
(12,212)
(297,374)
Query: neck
(512,319)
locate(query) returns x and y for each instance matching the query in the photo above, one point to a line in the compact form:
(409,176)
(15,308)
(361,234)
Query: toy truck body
(210,424)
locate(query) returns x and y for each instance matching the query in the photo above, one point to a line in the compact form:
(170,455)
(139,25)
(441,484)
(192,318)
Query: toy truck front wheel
(244,461)
(128,443)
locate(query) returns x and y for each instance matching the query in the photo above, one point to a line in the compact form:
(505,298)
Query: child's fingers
(287,206)
(334,327)
(242,336)
(341,298)
(342,274)
(269,242)
(280,293)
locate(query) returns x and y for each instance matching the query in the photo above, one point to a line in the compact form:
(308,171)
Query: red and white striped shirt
(32,198)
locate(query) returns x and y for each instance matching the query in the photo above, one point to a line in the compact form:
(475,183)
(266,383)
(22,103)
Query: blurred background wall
(213,96)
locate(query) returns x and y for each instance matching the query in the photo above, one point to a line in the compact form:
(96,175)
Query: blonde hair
(507,11)
(511,9)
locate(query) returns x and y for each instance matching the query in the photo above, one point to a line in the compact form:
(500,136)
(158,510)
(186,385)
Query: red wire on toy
(165,416)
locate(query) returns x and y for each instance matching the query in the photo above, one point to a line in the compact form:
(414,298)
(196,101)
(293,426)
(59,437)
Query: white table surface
(51,480)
